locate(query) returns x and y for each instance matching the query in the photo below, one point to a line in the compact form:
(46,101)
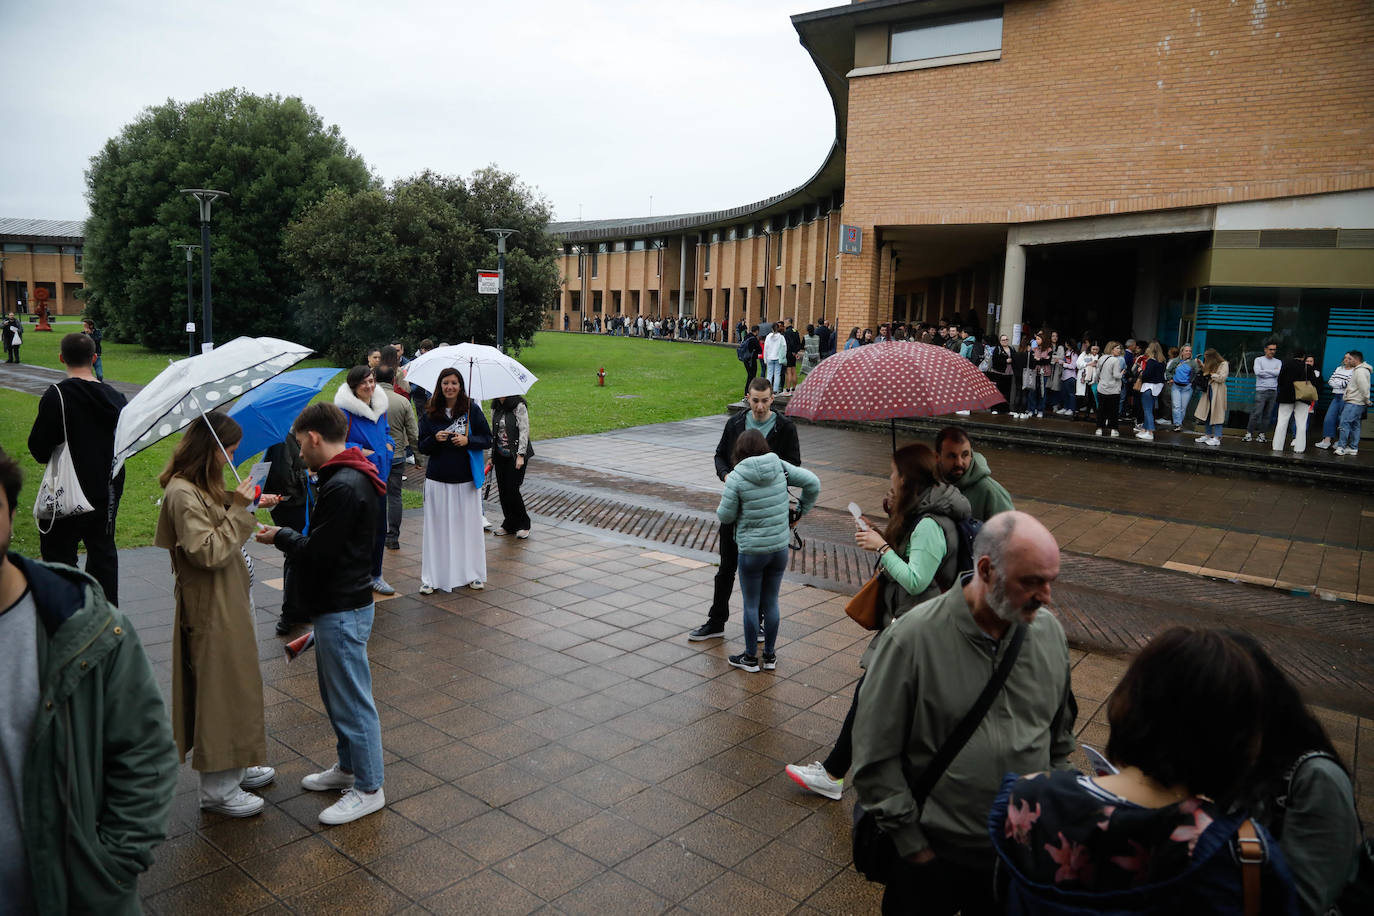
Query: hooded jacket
(368,427)
(101,768)
(1357,389)
(333,563)
(986,497)
(910,580)
(92,413)
(755,501)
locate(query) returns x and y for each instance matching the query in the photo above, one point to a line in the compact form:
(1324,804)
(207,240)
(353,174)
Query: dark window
(947,36)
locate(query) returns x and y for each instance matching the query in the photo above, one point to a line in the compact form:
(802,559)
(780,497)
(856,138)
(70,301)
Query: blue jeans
(1147,401)
(1182,395)
(1214,429)
(1351,415)
(1331,423)
(1262,414)
(760,578)
(1035,397)
(346,689)
(774,374)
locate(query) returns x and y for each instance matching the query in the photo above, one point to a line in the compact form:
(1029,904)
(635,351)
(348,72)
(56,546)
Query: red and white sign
(488,281)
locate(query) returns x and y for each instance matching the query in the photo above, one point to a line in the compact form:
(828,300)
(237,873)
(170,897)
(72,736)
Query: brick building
(40,254)
(1196,171)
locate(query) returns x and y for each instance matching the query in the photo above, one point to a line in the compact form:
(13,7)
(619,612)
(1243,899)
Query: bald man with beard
(927,673)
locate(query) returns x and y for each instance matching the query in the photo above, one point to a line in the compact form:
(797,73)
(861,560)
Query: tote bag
(59,492)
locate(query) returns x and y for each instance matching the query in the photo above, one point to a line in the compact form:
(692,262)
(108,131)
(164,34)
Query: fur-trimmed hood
(347,401)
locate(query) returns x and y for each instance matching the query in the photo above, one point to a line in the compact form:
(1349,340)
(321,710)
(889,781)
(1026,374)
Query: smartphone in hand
(858,514)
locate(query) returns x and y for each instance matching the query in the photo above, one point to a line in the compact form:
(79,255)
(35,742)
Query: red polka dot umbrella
(884,381)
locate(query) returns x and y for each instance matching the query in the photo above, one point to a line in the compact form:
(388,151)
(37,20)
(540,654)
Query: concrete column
(682,278)
(1013,288)
(1145,310)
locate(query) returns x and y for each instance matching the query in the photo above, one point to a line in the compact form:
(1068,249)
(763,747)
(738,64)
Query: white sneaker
(1214,441)
(331,779)
(477,586)
(1145,435)
(240,804)
(486,524)
(1247,438)
(1352,451)
(1116,434)
(814,777)
(353,805)
(426,589)
(1325,443)
(1261,438)
(523,533)
(257,777)
(1340,450)
(1097,432)
(1203,440)
(961,413)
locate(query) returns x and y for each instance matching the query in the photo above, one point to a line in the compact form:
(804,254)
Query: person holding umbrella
(217,709)
(454,434)
(366,405)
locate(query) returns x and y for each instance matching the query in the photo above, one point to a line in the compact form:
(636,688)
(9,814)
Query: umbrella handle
(222,450)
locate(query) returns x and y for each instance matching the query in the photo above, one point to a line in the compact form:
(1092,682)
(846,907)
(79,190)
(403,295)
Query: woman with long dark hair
(365,406)
(918,559)
(1302,791)
(454,434)
(217,712)
(853,340)
(510,453)
(1211,407)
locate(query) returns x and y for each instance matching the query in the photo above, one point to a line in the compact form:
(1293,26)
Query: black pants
(1107,410)
(842,754)
(379,537)
(509,480)
(96,532)
(751,369)
(12,354)
(725,576)
(941,888)
(291,515)
(1003,383)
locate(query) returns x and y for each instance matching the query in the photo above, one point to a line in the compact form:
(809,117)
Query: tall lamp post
(190,320)
(206,198)
(501,236)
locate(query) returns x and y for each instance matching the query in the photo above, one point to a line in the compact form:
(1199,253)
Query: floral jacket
(1065,845)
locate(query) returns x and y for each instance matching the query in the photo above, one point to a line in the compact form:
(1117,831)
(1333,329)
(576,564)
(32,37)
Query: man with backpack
(748,353)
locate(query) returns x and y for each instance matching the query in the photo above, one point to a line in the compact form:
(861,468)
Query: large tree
(273,155)
(403,261)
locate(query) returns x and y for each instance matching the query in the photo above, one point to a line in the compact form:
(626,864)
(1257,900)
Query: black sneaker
(707,631)
(744,662)
(393,544)
(770,661)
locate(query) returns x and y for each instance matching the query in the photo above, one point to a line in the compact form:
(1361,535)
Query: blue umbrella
(267,412)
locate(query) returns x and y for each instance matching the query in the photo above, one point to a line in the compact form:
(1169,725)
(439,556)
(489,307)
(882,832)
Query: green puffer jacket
(101,770)
(756,502)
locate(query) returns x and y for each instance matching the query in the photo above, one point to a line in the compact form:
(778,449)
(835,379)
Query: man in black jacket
(781,434)
(334,565)
(83,412)
(795,346)
(749,349)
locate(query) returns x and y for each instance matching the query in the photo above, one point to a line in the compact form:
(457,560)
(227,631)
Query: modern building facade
(1196,171)
(40,254)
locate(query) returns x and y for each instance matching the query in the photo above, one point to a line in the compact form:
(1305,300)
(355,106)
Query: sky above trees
(700,104)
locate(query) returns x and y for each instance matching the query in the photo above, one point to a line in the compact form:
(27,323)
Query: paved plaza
(554,743)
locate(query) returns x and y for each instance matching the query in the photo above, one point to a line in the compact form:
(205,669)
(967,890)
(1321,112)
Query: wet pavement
(554,744)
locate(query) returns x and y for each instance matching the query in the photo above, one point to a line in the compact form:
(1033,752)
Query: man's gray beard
(999,602)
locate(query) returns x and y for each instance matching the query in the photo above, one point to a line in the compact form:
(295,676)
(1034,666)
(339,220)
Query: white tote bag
(59,493)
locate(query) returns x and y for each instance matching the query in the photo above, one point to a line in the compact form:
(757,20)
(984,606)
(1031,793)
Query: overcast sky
(700,103)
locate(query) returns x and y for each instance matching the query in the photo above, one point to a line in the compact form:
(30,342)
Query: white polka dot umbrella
(884,381)
(189,387)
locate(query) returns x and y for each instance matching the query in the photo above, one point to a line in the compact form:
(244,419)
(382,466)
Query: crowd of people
(1219,791)
(659,327)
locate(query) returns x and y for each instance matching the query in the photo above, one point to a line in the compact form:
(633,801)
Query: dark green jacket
(101,770)
(986,497)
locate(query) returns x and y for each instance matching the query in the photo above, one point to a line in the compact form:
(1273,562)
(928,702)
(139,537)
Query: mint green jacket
(755,501)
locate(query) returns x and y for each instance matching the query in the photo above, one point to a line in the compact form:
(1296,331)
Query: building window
(749,230)
(594,257)
(578,252)
(46,249)
(947,36)
(16,246)
(620,246)
(730,234)
(602,248)
(637,245)
(777,247)
(715,236)
(708,261)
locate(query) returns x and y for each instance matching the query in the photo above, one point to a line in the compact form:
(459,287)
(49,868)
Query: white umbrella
(487,372)
(189,387)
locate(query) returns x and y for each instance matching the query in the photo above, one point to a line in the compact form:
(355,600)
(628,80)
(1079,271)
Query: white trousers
(1297,411)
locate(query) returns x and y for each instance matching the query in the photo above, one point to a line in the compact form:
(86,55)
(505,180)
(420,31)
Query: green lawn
(646,382)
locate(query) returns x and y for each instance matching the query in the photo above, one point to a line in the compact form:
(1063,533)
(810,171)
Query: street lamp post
(206,198)
(190,320)
(501,235)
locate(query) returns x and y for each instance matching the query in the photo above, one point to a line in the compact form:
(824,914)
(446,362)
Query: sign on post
(488,282)
(851,239)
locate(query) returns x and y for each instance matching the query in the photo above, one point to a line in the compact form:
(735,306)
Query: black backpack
(745,351)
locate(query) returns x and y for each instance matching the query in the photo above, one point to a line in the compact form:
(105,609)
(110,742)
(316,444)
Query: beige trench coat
(1211,407)
(216,684)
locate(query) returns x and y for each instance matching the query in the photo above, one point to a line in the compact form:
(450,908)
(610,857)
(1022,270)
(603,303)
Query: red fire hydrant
(601,377)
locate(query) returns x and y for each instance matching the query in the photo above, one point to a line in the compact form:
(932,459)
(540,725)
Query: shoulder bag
(59,492)
(875,854)
(866,607)
(1304,390)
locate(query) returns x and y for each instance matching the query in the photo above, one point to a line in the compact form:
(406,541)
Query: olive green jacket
(927,671)
(101,768)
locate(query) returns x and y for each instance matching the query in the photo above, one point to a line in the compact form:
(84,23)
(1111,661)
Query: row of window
(24,247)
(968,32)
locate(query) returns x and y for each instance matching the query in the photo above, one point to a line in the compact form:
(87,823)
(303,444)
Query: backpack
(1183,374)
(744,352)
(968,529)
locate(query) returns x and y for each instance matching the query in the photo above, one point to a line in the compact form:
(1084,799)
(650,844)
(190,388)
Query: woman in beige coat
(217,712)
(1211,409)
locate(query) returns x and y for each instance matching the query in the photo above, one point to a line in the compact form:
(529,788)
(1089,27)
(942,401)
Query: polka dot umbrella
(884,381)
(190,387)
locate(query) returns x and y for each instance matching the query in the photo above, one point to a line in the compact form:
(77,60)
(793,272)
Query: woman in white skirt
(454,434)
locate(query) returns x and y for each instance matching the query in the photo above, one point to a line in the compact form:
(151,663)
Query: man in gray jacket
(927,672)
